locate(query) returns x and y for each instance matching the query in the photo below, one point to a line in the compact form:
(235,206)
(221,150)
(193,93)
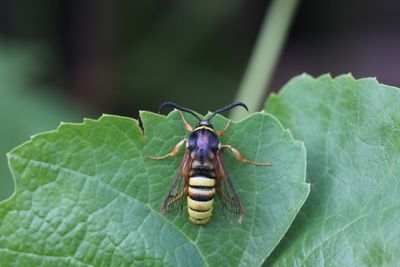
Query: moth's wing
(178,190)
(231,206)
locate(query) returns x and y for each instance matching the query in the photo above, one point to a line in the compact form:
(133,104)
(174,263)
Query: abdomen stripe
(200,198)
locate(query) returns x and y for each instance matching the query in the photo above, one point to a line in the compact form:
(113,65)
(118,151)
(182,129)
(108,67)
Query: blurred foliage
(125,56)
(26,107)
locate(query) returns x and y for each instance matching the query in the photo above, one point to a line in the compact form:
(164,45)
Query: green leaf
(351,129)
(88,195)
(25,108)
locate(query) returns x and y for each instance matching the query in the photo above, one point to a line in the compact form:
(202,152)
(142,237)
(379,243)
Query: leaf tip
(305,75)
(105,115)
(146,112)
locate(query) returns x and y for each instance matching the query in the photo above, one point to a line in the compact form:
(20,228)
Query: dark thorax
(203,143)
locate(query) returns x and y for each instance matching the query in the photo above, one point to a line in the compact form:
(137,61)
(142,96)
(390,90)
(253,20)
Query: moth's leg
(221,133)
(188,127)
(240,158)
(174,151)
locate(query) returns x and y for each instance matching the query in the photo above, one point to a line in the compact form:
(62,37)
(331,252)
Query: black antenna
(173,105)
(228,108)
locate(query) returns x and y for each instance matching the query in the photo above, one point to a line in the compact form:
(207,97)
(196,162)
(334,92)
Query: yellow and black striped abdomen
(200,198)
(201,194)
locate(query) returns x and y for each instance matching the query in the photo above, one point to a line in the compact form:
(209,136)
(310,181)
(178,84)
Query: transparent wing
(178,190)
(231,206)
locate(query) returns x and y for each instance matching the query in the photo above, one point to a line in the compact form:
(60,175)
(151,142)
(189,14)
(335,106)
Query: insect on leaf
(87,195)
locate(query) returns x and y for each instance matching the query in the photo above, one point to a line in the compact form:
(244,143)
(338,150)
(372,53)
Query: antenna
(228,108)
(173,105)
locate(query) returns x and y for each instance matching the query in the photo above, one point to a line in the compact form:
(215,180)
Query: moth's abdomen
(201,194)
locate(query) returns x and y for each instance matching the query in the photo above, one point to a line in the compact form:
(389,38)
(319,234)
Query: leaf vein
(122,194)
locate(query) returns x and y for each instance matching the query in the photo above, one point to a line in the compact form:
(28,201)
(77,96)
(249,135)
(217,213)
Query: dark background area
(65,60)
(122,56)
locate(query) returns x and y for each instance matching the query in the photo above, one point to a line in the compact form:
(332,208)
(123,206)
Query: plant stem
(265,55)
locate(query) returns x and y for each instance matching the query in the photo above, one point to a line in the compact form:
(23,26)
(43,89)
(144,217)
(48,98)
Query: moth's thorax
(203,144)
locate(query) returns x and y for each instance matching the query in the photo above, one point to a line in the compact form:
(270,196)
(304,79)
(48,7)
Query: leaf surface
(351,129)
(87,195)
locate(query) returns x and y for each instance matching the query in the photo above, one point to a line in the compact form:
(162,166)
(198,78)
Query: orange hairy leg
(221,133)
(240,158)
(173,152)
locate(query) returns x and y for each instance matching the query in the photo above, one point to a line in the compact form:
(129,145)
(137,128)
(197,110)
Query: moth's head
(205,123)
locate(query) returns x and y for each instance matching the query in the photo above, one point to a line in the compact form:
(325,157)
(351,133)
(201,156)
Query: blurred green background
(65,60)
